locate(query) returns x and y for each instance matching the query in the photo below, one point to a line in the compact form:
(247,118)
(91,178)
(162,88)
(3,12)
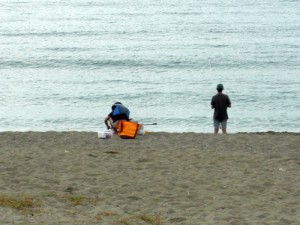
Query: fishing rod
(149,123)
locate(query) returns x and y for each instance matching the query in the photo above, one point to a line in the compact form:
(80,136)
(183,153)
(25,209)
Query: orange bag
(128,129)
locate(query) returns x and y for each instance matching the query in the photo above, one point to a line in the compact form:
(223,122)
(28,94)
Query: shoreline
(158,178)
(163,132)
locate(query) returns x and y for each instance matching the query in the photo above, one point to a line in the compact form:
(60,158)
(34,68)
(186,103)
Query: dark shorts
(218,124)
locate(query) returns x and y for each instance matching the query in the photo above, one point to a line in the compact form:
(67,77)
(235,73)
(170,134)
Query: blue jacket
(120,112)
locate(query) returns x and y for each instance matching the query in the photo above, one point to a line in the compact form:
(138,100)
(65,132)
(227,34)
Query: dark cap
(114,105)
(220,87)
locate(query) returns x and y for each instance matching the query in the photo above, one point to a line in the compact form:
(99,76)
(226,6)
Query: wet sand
(158,178)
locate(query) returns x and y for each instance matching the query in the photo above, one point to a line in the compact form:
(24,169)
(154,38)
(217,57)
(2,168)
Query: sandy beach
(158,178)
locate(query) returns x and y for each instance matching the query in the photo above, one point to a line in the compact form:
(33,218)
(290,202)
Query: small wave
(181,13)
(73,49)
(149,64)
(51,34)
(93,64)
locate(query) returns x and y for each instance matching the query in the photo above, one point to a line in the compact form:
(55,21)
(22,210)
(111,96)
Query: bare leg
(112,125)
(216,130)
(224,131)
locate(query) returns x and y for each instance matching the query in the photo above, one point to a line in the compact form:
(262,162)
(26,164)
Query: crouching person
(119,112)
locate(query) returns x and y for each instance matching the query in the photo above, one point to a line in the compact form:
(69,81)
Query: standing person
(220,102)
(119,112)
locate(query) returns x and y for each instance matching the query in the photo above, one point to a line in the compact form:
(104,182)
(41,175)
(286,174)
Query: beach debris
(91,155)
(66,151)
(111,152)
(178,219)
(70,190)
(281,169)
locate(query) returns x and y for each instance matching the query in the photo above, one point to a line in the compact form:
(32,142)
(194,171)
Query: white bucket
(105,134)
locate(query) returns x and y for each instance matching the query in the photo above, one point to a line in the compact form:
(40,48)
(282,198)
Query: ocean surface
(63,63)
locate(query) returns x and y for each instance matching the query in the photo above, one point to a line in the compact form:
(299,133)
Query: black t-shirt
(220,102)
(118,117)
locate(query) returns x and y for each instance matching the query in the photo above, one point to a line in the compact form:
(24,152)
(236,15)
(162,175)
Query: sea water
(63,63)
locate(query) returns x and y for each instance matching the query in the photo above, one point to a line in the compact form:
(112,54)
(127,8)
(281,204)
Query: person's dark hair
(114,105)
